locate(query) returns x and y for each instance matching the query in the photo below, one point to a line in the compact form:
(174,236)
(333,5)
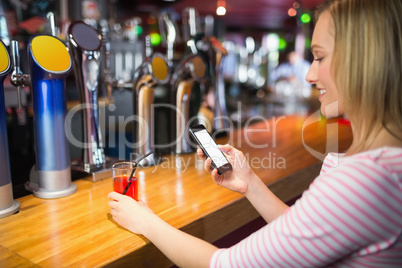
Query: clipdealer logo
(268,127)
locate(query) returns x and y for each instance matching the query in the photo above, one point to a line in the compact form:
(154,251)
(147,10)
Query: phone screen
(211,148)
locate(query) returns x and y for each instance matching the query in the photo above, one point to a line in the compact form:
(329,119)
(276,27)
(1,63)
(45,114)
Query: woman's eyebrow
(315,47)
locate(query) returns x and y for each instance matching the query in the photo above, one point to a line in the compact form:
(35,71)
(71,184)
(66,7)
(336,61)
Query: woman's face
(322,47)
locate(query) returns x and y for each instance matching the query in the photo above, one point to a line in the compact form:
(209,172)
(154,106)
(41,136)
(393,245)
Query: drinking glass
(121,178)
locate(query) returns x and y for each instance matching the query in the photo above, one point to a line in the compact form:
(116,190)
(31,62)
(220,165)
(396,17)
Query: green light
(138,30)
(282,44)
(155,39)
(307,43)
(305,18)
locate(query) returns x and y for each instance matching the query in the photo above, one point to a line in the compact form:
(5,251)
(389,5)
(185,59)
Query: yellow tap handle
(159,68)
(51,54)
(4,59)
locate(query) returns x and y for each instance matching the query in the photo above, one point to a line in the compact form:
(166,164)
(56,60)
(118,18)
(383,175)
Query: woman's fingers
(207,165)
(114,196)
(113,212)
(201,154)
(227,149)
(113,204)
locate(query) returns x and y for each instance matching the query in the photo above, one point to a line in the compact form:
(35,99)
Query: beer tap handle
(52,21)
(15,56)
(191,23)
(106,57)
(16,75)
(169,32)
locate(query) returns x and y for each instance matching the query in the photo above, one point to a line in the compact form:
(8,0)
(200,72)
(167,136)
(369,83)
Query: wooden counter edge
(222,222)
(10,257)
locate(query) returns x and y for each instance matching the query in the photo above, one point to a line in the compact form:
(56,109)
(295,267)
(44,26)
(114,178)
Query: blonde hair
(367,62)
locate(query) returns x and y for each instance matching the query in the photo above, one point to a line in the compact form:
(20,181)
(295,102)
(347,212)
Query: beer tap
(85,45)
(120,58)
(18,78)
(192,69)
(215,52)
(105,57)
(169,32)
(154,70)
(191,23)
(190,73)
(8,205)
(49,64)
(52,22)
(219,52)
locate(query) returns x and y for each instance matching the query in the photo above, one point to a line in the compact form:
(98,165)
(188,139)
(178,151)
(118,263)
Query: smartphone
(210,149)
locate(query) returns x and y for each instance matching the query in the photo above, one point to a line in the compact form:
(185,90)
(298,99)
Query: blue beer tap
(8,205)
(49,64)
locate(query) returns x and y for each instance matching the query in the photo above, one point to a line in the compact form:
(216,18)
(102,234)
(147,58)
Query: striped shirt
(351,216)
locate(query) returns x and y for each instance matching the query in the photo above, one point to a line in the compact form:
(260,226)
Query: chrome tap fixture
(221,122)
(169,33)
(18,78)
(85,45)
(154,70)
(49,63)
(150,70)
(120,58)
(8,205)
(191,23)
(189,74)
(214,53)
(193,68)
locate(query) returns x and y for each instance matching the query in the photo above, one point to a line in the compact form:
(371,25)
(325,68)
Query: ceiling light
(292,12)
(220,11)
(221,8)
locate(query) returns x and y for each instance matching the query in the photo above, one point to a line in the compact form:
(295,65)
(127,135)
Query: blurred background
(267,44)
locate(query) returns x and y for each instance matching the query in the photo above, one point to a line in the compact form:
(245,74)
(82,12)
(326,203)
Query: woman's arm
(268,205)
(181,248)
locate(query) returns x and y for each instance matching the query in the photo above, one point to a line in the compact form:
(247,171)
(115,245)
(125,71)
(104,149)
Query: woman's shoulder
(387,157)
(379,152)
(384,158)
(378,170)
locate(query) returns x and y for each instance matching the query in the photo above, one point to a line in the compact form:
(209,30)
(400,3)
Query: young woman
(351,215)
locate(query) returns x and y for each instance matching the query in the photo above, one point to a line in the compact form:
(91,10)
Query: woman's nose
(311,76)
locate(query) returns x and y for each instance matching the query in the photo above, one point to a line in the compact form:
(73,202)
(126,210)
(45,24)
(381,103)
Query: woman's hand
(129,213)
(239,177)
(181,248)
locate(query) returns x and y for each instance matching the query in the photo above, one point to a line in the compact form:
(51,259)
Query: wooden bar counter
(78,231)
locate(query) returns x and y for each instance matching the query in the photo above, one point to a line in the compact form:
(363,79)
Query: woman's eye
(318,59)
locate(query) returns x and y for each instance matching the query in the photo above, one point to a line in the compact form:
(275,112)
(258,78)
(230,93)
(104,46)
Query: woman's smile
(322,93)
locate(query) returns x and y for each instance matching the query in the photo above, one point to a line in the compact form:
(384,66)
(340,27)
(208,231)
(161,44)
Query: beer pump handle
(18,78)
(16,75)
(52,21)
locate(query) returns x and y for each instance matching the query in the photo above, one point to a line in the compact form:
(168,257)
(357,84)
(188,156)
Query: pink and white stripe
(351,216)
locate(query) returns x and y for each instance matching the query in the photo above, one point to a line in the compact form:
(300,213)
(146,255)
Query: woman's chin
(331,110)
